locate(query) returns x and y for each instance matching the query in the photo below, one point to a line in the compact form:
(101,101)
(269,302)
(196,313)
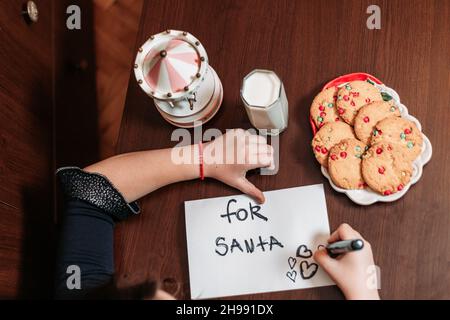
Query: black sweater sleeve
(85,255)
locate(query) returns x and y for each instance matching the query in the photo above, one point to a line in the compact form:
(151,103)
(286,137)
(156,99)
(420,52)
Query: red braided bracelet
(200,151)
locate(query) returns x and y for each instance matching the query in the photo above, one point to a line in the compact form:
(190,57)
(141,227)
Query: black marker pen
(339,247)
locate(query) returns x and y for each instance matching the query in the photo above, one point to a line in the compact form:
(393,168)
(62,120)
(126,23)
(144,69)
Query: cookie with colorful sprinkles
(401,131)
(385,168)
(323,108)
(344,164)
(369,115)
(329,135)
(352,96)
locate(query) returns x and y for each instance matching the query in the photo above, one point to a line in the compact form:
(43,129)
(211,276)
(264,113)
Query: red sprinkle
(366,119)
(400,187)
(323,114)
(337,119)
(352,103)
(356,94)
(317,148)
(367,100)
(344,154)
(324,150)
(380,132)
(387,192)
(389,147)
(381,170)
(407,131)
(321,124)
(321,108)
(333,157)
(335,98)
(341,111)
(346,98)
(379,150)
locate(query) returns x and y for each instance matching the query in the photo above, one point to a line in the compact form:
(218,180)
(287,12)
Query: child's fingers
(324,260)
(249,188)
(259,160)
(256,139)
(344,232)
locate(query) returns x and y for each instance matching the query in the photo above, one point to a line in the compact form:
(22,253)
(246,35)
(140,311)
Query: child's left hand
(230,156)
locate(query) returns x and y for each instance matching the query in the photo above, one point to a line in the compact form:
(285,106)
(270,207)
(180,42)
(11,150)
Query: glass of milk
(265,101)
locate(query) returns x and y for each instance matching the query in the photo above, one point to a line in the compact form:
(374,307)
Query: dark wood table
(307,43)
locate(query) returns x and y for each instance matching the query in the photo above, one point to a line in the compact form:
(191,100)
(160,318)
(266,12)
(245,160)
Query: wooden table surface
(307,43)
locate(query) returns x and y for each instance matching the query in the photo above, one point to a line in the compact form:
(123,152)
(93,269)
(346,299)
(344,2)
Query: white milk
(261,89)
(265,101)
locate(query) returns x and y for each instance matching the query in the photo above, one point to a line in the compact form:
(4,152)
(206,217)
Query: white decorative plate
(367,196)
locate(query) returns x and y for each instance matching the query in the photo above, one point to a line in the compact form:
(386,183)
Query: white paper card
(236,246)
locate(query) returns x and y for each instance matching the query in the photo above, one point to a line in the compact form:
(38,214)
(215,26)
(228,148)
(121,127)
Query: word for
(242,214)
(222,247)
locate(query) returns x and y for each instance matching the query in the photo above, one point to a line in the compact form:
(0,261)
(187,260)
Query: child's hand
(230,156)
(349,270)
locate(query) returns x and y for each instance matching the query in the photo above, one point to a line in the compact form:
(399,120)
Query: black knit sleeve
(97,190)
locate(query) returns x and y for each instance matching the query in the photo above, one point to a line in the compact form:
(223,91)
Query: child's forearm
(139,173)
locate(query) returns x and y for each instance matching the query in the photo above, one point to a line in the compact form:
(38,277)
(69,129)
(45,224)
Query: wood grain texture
(26,151)
(307,43)
(116,26)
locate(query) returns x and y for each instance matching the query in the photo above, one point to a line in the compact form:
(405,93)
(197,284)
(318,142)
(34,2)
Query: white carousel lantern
(172,68)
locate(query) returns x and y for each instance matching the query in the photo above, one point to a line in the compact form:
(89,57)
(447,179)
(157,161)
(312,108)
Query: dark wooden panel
(76,129)
(307,43)
(26,156)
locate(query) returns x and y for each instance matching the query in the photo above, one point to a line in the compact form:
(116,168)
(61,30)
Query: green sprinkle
(320,119)
(370,81)
(357,148)
(358,155)
(339,97)
(402,136)
(366,148)
(330,105)
(375,132)
(385,96)
(392,109)
(410,145)
(348,87)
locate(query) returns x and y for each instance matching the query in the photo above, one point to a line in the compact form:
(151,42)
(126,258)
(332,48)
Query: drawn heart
(292,261)
(308,270)
(291,275)
(304,252)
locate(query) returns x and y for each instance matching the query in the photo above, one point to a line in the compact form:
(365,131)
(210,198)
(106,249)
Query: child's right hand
(351,270)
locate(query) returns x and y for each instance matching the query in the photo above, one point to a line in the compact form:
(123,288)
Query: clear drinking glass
(265,101)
